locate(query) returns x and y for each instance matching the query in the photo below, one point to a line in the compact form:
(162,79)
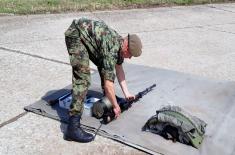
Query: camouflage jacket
(102,43)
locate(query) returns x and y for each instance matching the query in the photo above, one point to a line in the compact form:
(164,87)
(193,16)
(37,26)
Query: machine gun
(103,108)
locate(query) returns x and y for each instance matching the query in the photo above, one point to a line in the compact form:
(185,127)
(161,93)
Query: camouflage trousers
(79,60)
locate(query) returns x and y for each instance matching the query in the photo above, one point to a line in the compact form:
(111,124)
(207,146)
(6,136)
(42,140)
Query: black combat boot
(75,132)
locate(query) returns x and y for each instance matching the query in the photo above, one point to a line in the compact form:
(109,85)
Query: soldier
(86,40)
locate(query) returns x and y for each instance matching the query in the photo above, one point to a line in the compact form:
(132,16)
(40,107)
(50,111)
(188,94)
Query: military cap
(134,45)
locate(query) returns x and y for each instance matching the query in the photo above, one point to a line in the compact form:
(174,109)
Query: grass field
(58,6)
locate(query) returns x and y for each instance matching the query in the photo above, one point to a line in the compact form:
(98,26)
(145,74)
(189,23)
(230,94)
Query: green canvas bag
(174,123)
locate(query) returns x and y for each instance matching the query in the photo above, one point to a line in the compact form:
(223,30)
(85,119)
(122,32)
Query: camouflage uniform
(91,40)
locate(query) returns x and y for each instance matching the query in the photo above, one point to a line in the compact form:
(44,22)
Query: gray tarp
(212,101)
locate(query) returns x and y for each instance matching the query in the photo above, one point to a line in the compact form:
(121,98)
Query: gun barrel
(141,94)
(150,88)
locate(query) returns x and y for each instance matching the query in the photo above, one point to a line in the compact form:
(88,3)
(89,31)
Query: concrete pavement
(33,60)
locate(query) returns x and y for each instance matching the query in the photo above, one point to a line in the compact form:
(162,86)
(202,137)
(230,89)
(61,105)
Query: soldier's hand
(117,111)
(130,97)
